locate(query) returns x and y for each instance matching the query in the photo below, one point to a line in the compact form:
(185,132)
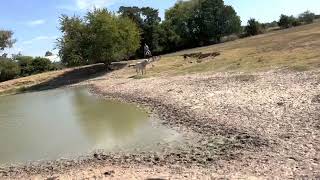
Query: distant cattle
(200,55)
(214,54)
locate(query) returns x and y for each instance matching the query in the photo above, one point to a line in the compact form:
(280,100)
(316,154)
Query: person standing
(147,52)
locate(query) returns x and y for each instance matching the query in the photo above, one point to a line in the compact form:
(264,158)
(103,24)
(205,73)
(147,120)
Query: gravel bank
(269,122)
(259,125)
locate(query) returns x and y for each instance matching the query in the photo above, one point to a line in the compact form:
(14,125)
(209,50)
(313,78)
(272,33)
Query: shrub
(288,21)
(307,17)
(40,65)
(253,28)
(9,69)
(25,65)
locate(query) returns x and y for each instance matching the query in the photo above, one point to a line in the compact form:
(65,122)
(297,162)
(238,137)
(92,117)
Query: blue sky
(35,22)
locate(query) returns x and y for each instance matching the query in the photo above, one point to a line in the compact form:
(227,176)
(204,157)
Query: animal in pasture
(142,66)
(192,55)
(214,54)
(200,55)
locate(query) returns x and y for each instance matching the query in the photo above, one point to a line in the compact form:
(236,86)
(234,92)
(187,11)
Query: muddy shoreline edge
(199,154)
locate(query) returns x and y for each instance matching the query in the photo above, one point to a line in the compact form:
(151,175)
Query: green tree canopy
(148,21)
(6,39)
(200,22)
(100,36)
(9,69)
(253,28)
(288,21)
(307,17)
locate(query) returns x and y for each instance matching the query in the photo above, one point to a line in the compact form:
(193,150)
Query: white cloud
(39,38)
(36,22)
(13,50)
(88,4)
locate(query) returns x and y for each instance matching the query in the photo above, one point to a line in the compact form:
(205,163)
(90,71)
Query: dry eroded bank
(271,118)
(253,125)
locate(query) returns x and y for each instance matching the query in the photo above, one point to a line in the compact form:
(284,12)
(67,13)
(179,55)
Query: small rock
(108,173)
(280,103)
(209,159)
(157,159)
(316,99)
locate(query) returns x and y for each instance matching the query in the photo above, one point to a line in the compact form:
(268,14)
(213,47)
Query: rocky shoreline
(261,125)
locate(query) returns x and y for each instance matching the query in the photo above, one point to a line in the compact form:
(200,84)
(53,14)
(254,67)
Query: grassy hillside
(52,79)
(295,49)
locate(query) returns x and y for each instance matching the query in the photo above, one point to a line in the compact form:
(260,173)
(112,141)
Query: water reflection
(100,119)
(68,122)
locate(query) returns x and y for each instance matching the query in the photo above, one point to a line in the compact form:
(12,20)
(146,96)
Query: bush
(25,65)
(253,28)
(307,17)
(9,69)
(285,21)
(100,36)
(40,65)
(30,65)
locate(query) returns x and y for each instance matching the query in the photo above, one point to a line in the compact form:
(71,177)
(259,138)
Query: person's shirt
(146,48)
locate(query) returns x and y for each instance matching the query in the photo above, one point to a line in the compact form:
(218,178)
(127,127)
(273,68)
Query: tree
(147,19)
(48,53)
(201,22)
(133,13)
(253,28)
(151,21)
(6,39)
(40,65)
(288,21)
(25,63)
(307,17)
(108,36)
(130,35)
(216,20)
(9,69)
(100,36)
(72,45)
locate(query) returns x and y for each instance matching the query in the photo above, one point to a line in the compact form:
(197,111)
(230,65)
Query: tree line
(105,36)
(23,66)
(18,65)
(254,27)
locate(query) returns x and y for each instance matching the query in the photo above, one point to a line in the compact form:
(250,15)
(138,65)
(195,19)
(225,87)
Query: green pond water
(66,123)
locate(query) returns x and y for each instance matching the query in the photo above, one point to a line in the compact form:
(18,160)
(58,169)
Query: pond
(65,123)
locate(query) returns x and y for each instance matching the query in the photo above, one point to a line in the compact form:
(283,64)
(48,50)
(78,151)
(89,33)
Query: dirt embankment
(53,79)
(258,125)
(268,122)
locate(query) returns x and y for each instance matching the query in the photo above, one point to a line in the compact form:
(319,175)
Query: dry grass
(17,85)
(294,49)
(21,84)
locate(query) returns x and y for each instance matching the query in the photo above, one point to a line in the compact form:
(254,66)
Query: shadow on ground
(74,76)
